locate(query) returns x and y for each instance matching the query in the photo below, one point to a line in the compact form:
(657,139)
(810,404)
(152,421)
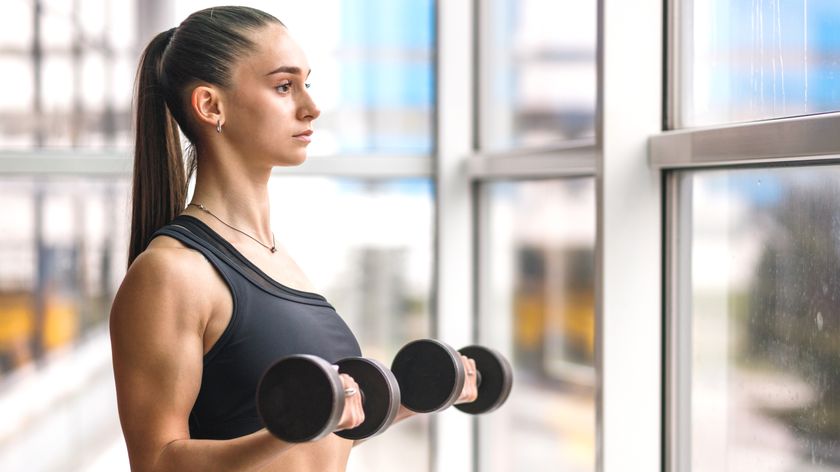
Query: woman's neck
(238,199)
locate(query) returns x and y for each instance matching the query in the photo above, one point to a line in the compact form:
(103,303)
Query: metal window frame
(571,159)
(674,77)
(119,163)
(780,141)
(677,326)
(65,162)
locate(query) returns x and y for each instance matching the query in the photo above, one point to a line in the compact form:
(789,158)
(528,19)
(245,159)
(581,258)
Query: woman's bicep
(157,348)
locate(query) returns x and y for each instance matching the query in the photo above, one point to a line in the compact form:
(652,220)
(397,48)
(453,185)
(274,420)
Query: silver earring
(219,126)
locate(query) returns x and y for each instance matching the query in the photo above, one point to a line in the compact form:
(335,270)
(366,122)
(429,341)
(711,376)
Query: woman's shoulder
(168,273)
(167,259)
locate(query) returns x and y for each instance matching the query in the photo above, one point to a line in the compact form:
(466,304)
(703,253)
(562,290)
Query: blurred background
(751,347)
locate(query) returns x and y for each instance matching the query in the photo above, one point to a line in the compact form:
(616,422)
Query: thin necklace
(272,248)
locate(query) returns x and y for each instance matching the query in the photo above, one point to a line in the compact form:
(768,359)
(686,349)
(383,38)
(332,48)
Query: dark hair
(201,49)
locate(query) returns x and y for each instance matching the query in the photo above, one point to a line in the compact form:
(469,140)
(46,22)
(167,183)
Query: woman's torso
(255,321)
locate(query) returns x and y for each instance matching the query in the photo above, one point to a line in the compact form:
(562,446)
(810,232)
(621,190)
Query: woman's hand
(354,414)
(470,391)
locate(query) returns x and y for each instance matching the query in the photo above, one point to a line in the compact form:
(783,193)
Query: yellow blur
(19,327)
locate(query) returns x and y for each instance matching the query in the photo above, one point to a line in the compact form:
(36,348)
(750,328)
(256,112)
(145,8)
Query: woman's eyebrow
(289,70)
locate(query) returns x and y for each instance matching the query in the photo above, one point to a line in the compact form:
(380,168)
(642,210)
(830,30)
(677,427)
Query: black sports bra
(269,321)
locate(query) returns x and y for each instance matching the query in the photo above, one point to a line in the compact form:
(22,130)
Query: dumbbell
(431,377)
(301,398)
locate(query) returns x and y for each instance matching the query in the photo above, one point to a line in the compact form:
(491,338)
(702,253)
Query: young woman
(210,300)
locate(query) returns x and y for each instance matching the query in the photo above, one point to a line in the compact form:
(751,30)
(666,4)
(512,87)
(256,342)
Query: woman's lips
(305,136)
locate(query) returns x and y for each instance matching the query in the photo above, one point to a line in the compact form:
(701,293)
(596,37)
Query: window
(762,318)
(535,201)
(62,258)
(537,288)
(742,61)
(63,246)
(538,70)
(70,85)
(373,79)
(750,242)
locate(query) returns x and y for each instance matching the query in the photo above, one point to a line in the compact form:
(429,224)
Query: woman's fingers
(353,414)
(470,390)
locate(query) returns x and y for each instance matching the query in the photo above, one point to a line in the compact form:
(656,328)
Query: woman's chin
(291,160)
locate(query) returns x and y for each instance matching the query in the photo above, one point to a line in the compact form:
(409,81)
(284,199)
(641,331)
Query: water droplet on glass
(819,320)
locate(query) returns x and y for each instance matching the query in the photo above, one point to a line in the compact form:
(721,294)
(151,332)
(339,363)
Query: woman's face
(268,112)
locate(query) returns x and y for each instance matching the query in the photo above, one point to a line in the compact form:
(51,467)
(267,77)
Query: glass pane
(57,24)
(17,122)
(373,74)
(757,59)
(764,319)
(60,262)
(372,70)
(16,25)
(537,303)
(537,72)
(63,248)
(86,71)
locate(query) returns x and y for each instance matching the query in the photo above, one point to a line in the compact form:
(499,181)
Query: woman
(210,300)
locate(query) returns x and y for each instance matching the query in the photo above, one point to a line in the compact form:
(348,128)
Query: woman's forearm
(251,452)
(402,414)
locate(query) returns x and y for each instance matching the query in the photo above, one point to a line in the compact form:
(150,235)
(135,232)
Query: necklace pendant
(273,250)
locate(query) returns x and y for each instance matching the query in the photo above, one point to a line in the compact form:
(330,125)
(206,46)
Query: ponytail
(160,179)
(202,49)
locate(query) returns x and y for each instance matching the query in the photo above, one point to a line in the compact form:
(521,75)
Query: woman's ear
(206,104)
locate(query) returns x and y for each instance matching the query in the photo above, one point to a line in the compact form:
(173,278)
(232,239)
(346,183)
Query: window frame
(775,142)
(558,160)
(628,192)
(801,141)
(96,163)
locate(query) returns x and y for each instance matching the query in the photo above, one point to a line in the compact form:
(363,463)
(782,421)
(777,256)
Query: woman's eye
(284,88)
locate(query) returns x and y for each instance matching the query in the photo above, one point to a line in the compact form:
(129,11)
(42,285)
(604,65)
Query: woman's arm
(468,394)
(157,339)
(404,413)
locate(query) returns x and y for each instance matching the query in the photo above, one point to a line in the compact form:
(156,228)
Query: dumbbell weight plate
(496,380)
(430,375)
(381,396)
(300,398)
